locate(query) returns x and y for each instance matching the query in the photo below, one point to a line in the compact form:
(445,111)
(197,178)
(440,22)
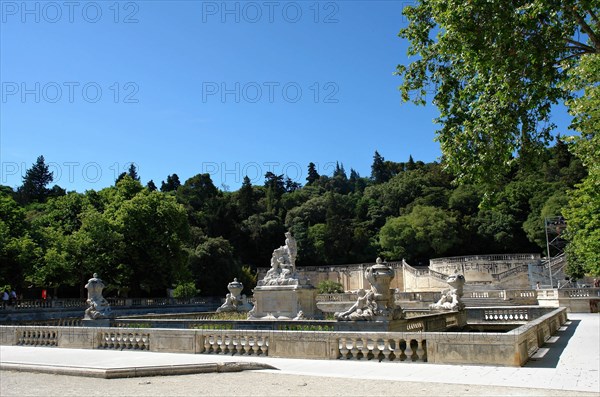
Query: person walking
(5,298)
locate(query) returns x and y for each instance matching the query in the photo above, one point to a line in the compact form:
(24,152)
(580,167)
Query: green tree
(379,170)
(213,265)
(185,290)
(132,172)
(151,186)
(275,188)
(19,253)
(425,233)
(497,68)
(313,175)
(35,181)
(582,214)
(171,185)
(154,228)
(246,199)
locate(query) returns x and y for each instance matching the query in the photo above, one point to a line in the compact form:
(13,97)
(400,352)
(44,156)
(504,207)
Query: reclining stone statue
(365,308)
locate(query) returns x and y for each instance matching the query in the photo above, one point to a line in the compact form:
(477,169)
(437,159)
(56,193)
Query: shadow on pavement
(550,359)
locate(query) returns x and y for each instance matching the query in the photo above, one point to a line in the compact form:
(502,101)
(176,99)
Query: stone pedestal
(284,301)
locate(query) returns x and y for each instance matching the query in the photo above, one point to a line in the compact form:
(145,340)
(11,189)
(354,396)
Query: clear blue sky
(229,88)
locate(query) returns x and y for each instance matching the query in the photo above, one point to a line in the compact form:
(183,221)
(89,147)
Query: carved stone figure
(229,305)
(283,265)
(451,297)
(283,293)
(365,308)
(251,314)
(376,304)
(292,249)
(98,306)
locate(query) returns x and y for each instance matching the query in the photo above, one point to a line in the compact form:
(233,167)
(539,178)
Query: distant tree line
(144,239)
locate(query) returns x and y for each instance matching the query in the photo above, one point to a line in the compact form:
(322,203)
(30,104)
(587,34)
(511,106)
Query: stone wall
(350,276)
(508,271)
(575,300)
(512,348)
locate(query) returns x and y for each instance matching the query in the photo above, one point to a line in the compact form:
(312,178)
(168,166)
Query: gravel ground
(247,383)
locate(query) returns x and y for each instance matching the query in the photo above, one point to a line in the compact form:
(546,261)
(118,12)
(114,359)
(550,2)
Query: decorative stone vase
(380,276)
(235,288)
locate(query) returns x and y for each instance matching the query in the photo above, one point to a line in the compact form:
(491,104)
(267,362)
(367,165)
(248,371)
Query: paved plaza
(568,364)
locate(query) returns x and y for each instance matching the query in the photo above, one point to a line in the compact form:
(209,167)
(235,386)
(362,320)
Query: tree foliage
(497,68)
(35,182)
(583,212)
(144,242)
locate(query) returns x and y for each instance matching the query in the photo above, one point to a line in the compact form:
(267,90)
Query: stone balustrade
(123,340)
(428,296)
(424,322)
(27,304)
(511,348)
(235,344)
(509,314)
(484,258)
(579,293)
(577,300)
(377,348)
(37,337)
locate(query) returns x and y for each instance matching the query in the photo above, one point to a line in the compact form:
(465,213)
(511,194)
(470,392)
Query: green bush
(185,290)
(330,287)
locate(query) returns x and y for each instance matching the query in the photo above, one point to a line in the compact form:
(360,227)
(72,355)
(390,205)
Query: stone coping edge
(134,372)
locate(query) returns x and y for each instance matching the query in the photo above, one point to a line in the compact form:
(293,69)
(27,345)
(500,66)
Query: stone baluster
(409,352)
(218,344)
(342,348)
(236,345)
(387,350)
(368,349)
(242,344)
(251,345)
(225,344)
(354,351)
(261,346)
(402,347)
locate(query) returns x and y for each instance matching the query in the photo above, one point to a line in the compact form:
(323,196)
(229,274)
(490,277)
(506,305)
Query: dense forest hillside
(144,239)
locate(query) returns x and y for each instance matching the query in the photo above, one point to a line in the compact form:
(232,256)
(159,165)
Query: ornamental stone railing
(75,303)
(526,296)
(579,293)
(511,348)
(380,349)
(484,258)
(423,321)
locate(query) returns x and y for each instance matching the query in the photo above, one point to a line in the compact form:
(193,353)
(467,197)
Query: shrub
(185,290)
(330,287)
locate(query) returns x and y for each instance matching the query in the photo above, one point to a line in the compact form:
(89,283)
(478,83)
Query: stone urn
(235,288)
(380,276)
